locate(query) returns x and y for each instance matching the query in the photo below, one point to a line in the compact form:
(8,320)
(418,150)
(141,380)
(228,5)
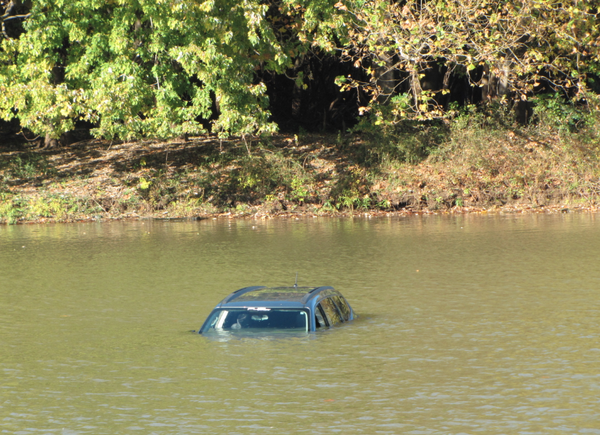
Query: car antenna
(296,283)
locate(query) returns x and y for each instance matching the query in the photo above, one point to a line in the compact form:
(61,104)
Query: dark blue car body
(270,309)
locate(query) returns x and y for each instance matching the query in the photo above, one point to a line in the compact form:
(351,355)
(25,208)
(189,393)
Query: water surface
(468,324)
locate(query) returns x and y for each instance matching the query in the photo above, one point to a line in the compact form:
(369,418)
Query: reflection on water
(468,324)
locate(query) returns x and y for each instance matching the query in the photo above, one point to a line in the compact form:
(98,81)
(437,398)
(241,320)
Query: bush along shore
(464,165)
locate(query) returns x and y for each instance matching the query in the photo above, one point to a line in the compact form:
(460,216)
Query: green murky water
(474,324)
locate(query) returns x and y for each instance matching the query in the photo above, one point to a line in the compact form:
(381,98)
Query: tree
(145,67)
(517,45)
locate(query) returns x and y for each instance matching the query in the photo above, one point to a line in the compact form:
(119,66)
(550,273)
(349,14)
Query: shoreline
(363,214)
(286,176)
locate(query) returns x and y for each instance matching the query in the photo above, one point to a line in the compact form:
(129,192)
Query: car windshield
(258,320)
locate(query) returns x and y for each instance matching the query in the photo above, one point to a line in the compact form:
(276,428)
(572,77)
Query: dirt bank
(287,175)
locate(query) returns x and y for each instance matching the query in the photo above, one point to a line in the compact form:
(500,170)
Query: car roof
(283,297)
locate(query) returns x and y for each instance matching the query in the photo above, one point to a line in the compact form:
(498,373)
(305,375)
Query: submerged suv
(270,309)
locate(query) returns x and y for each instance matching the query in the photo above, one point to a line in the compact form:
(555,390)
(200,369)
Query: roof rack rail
(323,287)
(237,293)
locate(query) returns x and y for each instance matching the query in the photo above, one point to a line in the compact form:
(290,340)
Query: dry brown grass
(511,169)
(473,170)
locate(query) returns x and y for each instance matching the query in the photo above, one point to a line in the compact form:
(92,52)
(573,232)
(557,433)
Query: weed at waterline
(10,209)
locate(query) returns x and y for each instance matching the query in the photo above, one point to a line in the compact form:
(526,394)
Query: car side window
(319,320)
(342,307)
(331,312)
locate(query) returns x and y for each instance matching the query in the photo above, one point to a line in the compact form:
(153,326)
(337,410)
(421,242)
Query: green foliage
(10,209)
(155,68)
(299,189)
(268,174)
(152,68)
(29,165)
(352,190)
(144,184)
(157,189)
(557,112)
(485,118)
(503,46)
(58,207)
(395,139)
(573,121)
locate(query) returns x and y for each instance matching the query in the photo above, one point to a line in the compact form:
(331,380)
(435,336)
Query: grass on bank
(474,161)
(489,161)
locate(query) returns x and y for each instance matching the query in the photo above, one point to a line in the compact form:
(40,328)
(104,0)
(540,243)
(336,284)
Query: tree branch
(6,16)
(12,17)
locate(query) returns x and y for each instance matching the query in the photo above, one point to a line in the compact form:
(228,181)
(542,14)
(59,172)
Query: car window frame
(339,300)
(330,321)
(211,321)
(323,321)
